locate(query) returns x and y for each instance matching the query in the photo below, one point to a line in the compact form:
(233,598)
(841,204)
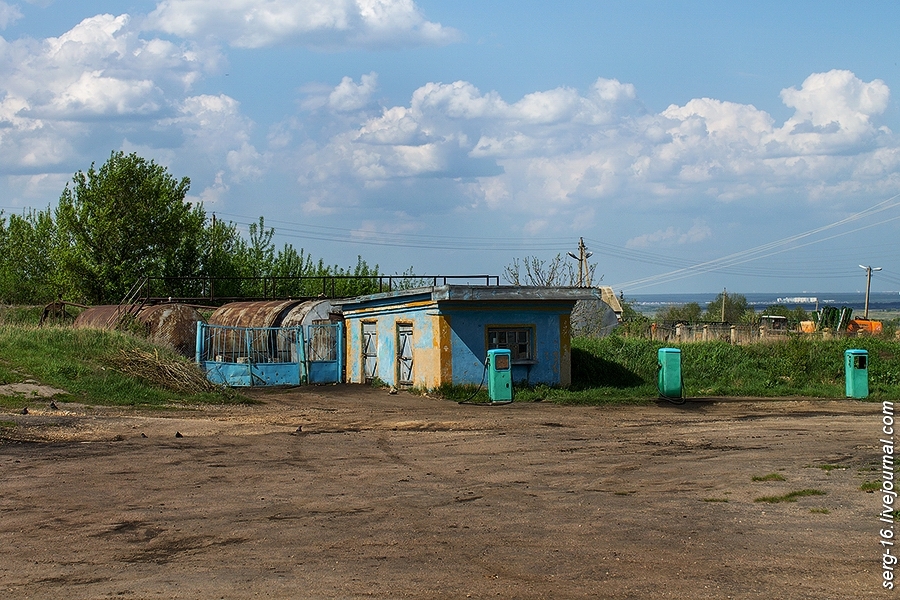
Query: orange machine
(864,326)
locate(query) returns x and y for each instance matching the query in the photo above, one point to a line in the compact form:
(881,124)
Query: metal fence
(263,356)
(710,332)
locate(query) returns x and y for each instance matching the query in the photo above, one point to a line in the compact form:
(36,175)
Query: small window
(518,340)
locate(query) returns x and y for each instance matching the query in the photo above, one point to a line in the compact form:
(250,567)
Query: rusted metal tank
(274,314)
(269,313)
(174,325)
(312,312)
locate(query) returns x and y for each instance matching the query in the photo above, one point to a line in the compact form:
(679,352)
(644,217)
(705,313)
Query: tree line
(736,310)
(130,219)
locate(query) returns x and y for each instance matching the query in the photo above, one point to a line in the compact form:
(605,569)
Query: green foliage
(129,219)
(797,366)
(737,309)
(790,496)
(769,477)
(794,316)
(688,313)
(125,220)
(27,265)
(79,361)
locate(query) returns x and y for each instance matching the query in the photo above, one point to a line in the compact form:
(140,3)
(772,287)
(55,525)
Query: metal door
(404,354)
(324,352)
(370,351)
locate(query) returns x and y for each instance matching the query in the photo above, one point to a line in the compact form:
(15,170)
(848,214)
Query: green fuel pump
(499,375)
(668,377)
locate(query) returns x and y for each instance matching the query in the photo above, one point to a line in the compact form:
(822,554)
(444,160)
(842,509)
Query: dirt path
(398,496)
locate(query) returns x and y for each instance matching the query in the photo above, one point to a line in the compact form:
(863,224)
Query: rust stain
(446,355)
(253,314)
(174,325)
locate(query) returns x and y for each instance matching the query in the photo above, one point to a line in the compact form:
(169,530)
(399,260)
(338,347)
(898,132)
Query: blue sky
(693,145)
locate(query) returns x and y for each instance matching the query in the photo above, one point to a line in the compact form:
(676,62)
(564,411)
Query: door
(324,352)
(370,351)
(404,354)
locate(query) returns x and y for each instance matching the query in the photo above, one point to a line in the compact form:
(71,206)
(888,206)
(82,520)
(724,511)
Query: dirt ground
(349,492)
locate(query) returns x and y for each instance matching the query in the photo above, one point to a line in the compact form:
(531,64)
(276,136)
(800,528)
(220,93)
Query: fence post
(199,352)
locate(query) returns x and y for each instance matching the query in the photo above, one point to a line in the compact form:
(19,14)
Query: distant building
(430,336)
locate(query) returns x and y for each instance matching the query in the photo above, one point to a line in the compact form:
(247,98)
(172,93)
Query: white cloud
(9,14)
(328,24)
(348,96)
(561,153)
(671,236)
(101,85)
(214,127)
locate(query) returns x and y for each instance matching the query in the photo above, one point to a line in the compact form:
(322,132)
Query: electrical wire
(766,250)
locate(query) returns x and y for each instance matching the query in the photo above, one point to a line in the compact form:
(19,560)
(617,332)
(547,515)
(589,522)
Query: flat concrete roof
(481,293)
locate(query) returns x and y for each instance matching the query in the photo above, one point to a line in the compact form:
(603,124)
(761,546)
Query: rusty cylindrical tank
(268,313)
(233,344)
(173,325)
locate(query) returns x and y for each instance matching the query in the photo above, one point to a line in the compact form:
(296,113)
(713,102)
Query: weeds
(88,364)
(769,477)
(790,496)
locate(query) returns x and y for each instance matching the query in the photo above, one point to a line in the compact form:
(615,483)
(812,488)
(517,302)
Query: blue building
(430,336)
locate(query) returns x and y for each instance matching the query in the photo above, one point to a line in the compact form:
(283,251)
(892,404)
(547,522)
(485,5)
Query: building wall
(551,342)
(426,338)
(450,339)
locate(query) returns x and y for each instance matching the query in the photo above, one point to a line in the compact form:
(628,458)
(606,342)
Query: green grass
(870,486)
(80,361)
(790,496)
(797,366)
(769,477)
(821,511)
(618,370)
(715,499)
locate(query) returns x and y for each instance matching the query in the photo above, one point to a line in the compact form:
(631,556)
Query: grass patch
(619,368)
(870,486)
(97,367)
(790,496)
(715,499)
(821,511)
(7,424)
(769,477)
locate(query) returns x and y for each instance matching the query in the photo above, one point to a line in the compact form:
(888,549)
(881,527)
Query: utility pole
(584,273)
(724,298)
(868,285)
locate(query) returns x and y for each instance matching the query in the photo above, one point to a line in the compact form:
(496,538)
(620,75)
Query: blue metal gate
(324,352)
(263,356)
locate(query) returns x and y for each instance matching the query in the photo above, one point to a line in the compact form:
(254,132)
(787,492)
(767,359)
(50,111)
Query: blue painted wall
(469,326)
(465,337)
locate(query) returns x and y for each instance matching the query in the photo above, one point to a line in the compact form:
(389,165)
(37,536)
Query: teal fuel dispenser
(669,374)
(499,375)
(856,372)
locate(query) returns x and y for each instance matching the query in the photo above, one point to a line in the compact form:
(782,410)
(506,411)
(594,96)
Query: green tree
(28,271)
(126,220)
(689,313)
(794,316)
(737,309)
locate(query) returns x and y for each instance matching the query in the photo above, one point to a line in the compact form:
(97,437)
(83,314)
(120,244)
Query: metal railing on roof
(218,290)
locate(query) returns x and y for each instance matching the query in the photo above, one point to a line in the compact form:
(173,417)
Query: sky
(694,146)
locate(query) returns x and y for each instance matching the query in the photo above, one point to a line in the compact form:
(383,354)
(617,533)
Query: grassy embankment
(96,367)
(617,369)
